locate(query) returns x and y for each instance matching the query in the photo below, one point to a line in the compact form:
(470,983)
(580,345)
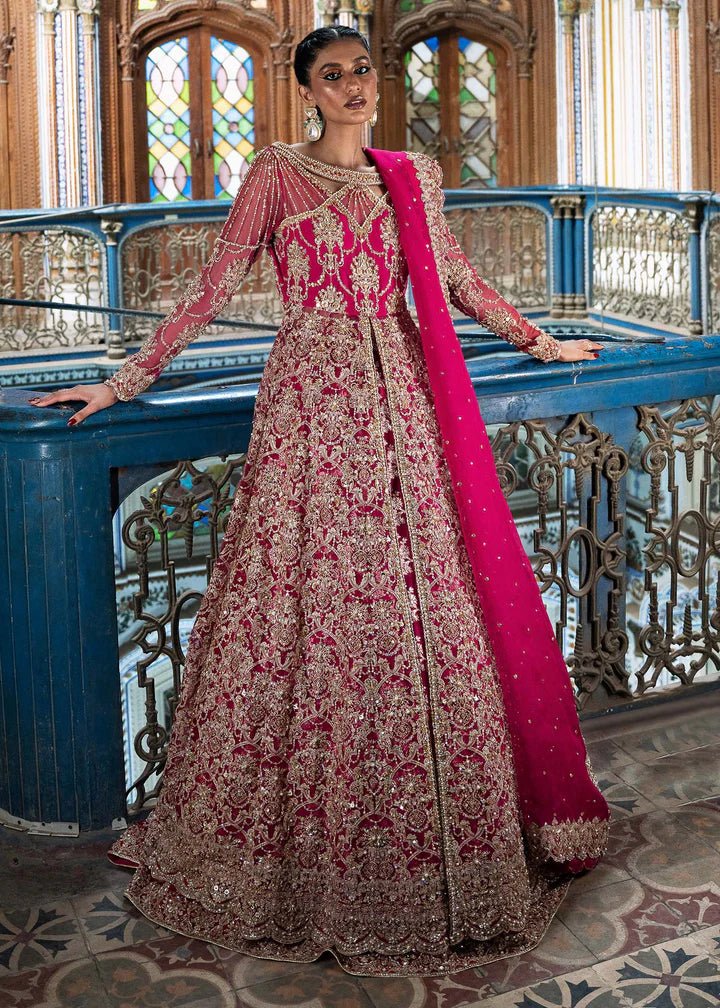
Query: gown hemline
(465,959)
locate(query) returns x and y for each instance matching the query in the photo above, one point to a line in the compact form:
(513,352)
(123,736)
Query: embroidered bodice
(336,249)
(332,236)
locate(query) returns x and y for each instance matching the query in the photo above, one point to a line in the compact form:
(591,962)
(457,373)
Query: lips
(355,103)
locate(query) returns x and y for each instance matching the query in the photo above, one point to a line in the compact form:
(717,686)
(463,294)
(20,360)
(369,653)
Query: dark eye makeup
(333,74)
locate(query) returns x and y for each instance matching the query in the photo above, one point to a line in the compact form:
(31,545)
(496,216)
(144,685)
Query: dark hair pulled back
(308,49)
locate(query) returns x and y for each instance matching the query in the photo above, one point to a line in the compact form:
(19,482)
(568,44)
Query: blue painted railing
(676,234)
(61,760)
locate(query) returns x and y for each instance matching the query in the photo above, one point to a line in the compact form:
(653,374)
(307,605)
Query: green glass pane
(478,114)
(422,99)
(233,113)
(168,120)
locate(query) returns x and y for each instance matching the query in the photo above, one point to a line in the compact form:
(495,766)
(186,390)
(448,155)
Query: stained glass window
(422,72)
(478,115)
(233,115)
(168,121)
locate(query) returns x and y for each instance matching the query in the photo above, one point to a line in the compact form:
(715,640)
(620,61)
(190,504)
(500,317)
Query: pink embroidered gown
(340,775)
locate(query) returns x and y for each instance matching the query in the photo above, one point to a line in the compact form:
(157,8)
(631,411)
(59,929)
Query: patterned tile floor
(642,929)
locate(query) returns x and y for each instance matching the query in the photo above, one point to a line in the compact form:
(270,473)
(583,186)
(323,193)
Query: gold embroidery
(364,275)
(574,839)
(330,299)
(341,773)
(328,230)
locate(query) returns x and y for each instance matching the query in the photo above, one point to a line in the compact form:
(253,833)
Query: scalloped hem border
(469,953)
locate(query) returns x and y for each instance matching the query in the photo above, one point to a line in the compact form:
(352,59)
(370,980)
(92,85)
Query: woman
(377,750)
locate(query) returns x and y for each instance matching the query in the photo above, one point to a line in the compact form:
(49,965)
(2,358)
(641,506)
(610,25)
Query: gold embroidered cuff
(569,840)
(129,381)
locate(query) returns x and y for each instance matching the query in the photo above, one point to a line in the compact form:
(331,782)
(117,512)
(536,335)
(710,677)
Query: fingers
(62,395)
(580,350)
(96,397)
(87,411)
(589,349)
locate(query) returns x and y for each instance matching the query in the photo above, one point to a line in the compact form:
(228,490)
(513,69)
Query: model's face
(343,83)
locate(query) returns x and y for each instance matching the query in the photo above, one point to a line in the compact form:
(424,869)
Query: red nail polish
(71,422)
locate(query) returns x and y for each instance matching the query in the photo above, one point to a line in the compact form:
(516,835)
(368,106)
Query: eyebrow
(356,60)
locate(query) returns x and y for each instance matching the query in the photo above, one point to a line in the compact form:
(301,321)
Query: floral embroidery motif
(365,277)
(328,230)
(331,300)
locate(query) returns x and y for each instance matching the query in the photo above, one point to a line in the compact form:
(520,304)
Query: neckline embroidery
(335,172)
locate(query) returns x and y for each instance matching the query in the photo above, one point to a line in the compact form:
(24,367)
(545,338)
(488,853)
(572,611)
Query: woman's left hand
(579,349)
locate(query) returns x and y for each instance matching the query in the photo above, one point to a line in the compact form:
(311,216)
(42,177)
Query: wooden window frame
(199,63)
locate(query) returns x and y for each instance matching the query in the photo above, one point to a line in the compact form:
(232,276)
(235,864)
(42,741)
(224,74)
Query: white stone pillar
(47,103)
(68,67)
(90,85)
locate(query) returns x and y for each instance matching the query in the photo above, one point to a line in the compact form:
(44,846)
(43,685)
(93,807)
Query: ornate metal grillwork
(507,245)
(624,539)
(563,483)
(171,540)
(52,264)
(640,264)
(680,633)
(159,262)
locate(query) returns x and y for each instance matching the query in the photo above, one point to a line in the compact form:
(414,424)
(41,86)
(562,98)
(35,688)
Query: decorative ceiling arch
(499,24)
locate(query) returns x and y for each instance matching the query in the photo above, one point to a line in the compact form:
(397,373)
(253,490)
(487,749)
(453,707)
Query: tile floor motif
(680,974)
(641,929)
(38,936)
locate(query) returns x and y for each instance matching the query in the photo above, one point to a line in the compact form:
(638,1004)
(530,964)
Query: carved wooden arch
(523,37)
(126,36)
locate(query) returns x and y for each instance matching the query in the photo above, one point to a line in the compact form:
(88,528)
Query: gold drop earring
(313,126)
(373,117)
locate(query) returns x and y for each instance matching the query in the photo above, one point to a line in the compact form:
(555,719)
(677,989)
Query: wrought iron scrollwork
(507,245)
(50,265)
(162,539)
(559,479)
(682,547)
(158,263)
(713,258)
(624,540)
(641,264)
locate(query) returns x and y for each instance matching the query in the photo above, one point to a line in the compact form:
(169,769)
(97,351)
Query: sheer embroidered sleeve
(471,294)
(253,217)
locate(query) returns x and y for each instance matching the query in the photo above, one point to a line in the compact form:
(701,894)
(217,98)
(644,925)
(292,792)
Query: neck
(342,146)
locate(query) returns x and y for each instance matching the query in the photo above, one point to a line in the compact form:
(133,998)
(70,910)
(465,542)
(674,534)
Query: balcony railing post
(580,305)
(557,309)
(568,240)
(693,213)
(115,344)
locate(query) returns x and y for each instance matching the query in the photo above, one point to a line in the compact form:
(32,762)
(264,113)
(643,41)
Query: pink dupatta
(564,813)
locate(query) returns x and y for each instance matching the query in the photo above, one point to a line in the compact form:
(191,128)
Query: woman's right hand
(96,397)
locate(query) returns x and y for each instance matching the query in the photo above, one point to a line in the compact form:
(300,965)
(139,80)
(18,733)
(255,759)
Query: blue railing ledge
(60,715)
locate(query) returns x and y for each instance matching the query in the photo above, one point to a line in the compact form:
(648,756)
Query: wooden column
(704,29)
(7,43)
(128,49)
